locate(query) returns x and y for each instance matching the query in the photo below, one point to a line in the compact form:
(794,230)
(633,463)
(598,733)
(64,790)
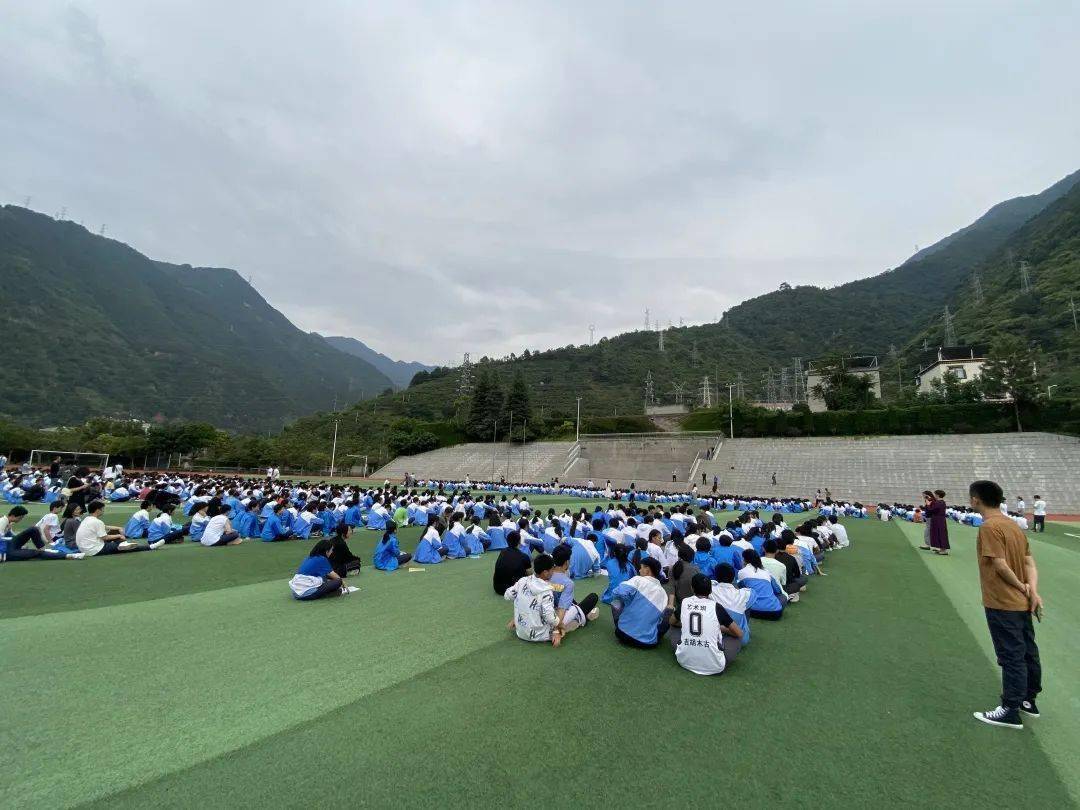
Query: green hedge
(618,424)
(1058,416)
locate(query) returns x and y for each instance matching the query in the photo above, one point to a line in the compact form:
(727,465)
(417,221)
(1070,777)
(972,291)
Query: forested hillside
(95,328)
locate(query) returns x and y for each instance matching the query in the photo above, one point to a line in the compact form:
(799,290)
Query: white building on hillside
(966,362)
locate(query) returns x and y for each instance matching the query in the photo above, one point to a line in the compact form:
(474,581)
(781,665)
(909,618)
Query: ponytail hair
(391,527)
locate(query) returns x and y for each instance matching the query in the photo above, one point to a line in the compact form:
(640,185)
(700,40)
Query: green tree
(841,390)
(951,390)
(1011,372)
(517,401)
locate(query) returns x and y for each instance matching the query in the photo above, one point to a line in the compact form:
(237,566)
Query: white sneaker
(158,544)
(76,556)
(603,572)
(349,589)
(593,614)
(793,597)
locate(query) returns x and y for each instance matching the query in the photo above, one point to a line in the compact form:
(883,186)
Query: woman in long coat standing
(936,521)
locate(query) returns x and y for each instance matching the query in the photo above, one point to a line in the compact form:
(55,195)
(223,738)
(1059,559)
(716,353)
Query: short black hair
(542,563)
(652,565)
(561,555)
(771,547)
(95,506)
(17,511)
(701,584)
(724,573)
(987,492)
(513,538)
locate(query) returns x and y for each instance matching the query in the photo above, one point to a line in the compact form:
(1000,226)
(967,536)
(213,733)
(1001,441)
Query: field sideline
(189,677)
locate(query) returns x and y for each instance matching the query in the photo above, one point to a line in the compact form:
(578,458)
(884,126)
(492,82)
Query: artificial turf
(189,677)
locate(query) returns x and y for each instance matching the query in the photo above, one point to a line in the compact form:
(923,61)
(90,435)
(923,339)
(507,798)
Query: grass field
(189,677)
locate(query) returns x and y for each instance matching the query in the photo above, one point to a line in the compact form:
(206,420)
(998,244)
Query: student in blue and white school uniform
(735,600)
(388,555)
(707,638)
(584,559)
(430,550)
(476,540)
(162,528)
(619,570)
(199,519)
(496,533)
(138,524)
(453,538)
(273,529)
(640,608)
(315,578)
(769,598)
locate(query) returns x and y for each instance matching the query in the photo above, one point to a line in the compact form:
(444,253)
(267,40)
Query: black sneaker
(1008,718)
(1029,708)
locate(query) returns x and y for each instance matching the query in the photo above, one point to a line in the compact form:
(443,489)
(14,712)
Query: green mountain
(896,308)
(400,372)
(98,329)
(1049,244)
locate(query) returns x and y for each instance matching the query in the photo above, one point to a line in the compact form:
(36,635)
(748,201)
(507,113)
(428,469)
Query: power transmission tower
(646,319)
(740,390)
(592,333)
(976,283)
(925,345)
(102,231)
(465,382)
(950,333)
(63,213)
(1072,308)
(650,390)
(1025,277)
(693,354)
(26,202)
(800,381)
(680,323)
(661,334)
(706,393)
(679,390)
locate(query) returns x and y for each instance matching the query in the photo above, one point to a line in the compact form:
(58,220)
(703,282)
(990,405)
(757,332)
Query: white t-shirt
(701,647)
(1040,507)
(49,526)
(5,525)
(90,538)
(215,528)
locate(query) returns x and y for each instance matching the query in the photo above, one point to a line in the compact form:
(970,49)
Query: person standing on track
(1009,581)
(1039,508)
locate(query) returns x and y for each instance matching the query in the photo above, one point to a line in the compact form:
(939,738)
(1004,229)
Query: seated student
(619,570)
(535,618)
(162,529)
(682,572)
(316,578)
(528,541)
(218,530)
(640,609)
(777,569)
(327,519)
(69,526)
(245,521)
(388,555)
(786,554)
(353,515)
(377,516)
(475,539)
(49,524)
(584,561)
(840,532)
(769,598)
(511,565)
(199,520)
(95,539)
(11,545)
(707,638)
(551,537)
(342,558)
(703,558)
(138,525)
(735,600)
(430,550)
(273,529)
(496,533)
(454,538)
(570,614)
(726,552)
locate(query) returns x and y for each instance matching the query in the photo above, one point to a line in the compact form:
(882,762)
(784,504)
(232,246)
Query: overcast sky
(434,178)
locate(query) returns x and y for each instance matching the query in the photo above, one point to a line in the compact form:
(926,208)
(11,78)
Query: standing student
(1010,590)
(511,565)
(707,638)
(640,609)
(936,521)
(388,555)
(1039,508)
(316,578)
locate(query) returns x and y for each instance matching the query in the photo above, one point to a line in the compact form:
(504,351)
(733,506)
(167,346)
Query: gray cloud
(434,178)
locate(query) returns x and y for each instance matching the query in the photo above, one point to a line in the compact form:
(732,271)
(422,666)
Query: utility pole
(731,410)
(524,427)
(1025,277)
(333,451)
(509,443)
(577,432)
(494,438)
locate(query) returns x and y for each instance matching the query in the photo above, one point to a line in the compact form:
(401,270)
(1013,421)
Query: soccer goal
(43,458)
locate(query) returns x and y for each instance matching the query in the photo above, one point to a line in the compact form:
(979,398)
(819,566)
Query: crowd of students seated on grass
(677,574)
(960,514)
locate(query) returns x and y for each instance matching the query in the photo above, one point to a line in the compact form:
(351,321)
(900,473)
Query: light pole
(731,410)
(494,435)
(577,432)
(333,451)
